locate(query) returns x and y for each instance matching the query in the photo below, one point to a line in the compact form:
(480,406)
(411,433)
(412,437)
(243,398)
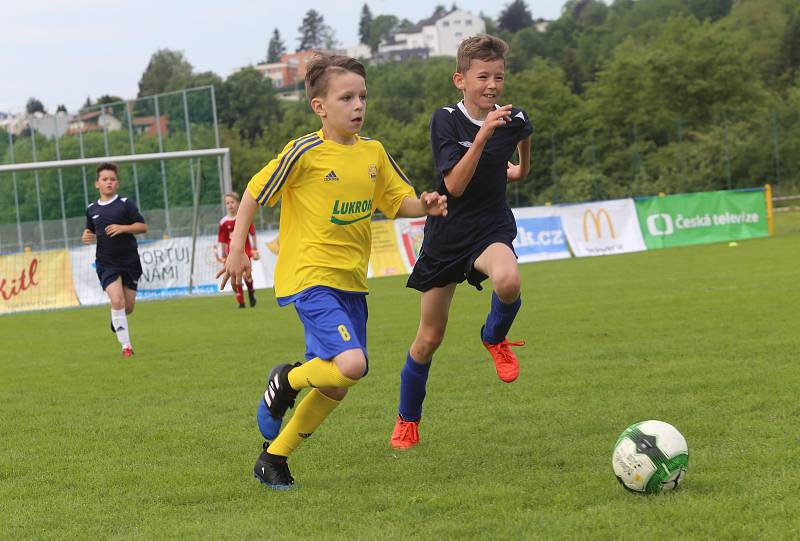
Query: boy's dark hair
(106,166)
(483,47)
(322,66)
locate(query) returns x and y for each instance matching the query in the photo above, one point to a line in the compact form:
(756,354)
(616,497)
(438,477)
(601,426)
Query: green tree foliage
(276,48)
(248,103)
(107,98)
(364,25)
(381,29)
(312,32)
(515,16)
(167,70)
(34,105)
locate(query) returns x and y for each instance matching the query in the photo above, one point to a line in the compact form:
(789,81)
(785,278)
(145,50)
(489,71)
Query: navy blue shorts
(108,273)
(430,272)
(334,321)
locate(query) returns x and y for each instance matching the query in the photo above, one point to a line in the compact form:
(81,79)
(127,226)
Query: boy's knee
(129,310)
(507,286)
(352,364)
(429,339)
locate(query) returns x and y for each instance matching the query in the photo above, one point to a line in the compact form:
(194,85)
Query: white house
(440,34)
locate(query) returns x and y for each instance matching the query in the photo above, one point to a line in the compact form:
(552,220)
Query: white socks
(120,322)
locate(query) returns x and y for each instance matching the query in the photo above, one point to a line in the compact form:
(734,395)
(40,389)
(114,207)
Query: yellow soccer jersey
(329,192)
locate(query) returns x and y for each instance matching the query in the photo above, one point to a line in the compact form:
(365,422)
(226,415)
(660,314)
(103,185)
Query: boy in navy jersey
(473,142)
(112,221)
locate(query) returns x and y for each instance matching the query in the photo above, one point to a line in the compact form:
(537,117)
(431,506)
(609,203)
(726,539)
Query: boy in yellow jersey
(330,182)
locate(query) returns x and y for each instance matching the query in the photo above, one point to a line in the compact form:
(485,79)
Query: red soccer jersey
(226,225)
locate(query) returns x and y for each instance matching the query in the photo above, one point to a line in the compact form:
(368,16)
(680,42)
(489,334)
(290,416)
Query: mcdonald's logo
(597,221)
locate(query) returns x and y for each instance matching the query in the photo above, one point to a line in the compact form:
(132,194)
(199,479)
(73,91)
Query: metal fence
(42,205)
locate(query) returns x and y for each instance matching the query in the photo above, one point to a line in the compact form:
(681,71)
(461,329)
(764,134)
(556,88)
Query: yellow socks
(318,373)
(308,415)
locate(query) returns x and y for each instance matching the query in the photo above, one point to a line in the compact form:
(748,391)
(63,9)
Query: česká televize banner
(36,281)
(699,218)
(540,235)
(602,227)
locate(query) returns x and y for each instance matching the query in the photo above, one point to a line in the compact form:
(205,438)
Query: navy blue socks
(413,379)
(500,318)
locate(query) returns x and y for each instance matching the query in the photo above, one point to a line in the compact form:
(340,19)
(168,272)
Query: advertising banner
(386,258)
(166,268)
(410,232)
(602,228)
(699,218)
(540,235)
(36,281)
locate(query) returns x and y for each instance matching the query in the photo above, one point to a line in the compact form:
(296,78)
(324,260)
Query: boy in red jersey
(226,225)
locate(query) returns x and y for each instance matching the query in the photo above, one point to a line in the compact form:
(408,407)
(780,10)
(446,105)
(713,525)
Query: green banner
(699,218)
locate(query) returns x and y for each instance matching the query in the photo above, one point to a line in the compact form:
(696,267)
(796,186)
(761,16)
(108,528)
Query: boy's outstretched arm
(428,204)
(458,178)
(519,172)
(238,265)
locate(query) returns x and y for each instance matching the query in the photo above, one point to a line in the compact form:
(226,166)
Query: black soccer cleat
(279,395)
(273,473)
(252,297)
(112,328)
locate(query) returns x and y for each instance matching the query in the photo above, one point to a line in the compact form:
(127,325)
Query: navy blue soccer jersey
(481,214)
(122,249)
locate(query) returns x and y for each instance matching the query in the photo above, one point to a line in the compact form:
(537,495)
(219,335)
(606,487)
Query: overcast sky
(62,51)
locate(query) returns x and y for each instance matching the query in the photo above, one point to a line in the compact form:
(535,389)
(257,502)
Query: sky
(61,51)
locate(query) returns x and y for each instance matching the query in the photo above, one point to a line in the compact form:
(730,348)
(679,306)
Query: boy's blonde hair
(483,47)
(322,66)
(233,195)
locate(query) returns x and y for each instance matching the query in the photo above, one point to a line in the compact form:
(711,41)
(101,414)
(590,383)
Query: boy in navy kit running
(112,221)
(473,142)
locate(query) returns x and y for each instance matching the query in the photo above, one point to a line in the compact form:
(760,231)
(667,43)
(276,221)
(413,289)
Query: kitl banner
(36,281)
(540,235)
(700,218)
(602,227)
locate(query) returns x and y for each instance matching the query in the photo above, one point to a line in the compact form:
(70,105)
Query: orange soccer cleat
(505,362)
(405,434)
(127,351)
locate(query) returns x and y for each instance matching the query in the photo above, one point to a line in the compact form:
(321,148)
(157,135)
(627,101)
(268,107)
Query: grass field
(162,446)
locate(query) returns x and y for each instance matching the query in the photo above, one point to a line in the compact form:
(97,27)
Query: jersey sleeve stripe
(399,172)
(298,152)
(286,158)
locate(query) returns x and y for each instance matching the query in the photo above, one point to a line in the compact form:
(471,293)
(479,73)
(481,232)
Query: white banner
(540,235)
(166,267)
(602,228)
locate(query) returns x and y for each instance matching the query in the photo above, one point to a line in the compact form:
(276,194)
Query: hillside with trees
(632,98)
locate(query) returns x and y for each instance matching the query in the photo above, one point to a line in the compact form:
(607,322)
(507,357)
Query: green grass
(162,446)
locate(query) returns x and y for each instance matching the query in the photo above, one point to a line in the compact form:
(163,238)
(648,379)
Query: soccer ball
(650,457)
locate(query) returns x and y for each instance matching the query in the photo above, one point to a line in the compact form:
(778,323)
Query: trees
(167,70)
(314,33)
(107,98)
(248,103)
(34,105)
(382,28)
(515,16)
(364,25)
(276,47)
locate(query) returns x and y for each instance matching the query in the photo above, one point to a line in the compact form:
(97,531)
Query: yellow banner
(36,281)
(385,259)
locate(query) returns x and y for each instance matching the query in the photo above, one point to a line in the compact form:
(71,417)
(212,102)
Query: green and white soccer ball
(650,457)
